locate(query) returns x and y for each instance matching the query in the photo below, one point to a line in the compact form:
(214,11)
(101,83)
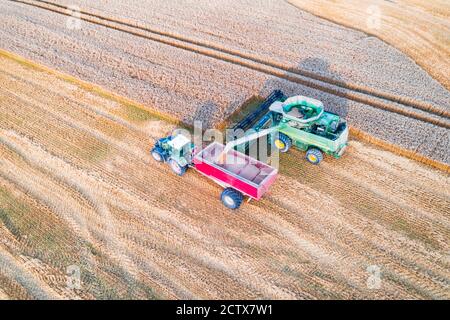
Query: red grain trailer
(238,173)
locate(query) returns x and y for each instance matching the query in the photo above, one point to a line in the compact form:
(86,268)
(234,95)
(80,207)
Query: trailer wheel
(282,143)
(158,154)
(314,156)
(231,198)
(176,168)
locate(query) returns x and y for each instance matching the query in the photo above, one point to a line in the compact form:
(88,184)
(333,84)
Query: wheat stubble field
(78,187)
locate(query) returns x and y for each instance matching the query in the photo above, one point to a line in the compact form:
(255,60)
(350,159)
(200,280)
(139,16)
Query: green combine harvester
(297,121)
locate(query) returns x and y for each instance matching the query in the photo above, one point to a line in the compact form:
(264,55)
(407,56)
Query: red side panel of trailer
(226,178)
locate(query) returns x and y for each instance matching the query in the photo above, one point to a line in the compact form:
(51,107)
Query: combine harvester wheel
(283,143)
(314,156)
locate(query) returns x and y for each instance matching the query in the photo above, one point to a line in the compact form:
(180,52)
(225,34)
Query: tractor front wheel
(157,154)
(282,143)
(314,156)
(232,199)
(176,168)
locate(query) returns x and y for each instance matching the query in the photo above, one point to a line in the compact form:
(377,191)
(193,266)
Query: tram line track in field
(385,101)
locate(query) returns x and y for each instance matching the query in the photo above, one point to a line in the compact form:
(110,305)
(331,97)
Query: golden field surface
(78,187)
(421,29)
(198,66)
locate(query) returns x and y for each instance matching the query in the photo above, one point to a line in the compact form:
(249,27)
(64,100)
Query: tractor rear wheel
(282,143)
(176,168)
(314,156)
(158,154)
(232,199)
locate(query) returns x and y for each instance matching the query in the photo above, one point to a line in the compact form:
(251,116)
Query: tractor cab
(176,150)
(181,149)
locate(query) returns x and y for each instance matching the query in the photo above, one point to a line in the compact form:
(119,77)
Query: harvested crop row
(152,234)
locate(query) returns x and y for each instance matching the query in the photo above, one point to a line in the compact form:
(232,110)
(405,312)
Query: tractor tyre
(232,199)
(314,156)
(158,154)
(176,168)
(283,143)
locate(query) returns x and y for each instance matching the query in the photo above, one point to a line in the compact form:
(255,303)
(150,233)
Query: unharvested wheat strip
(421,45)
(220,49)
(419,115)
